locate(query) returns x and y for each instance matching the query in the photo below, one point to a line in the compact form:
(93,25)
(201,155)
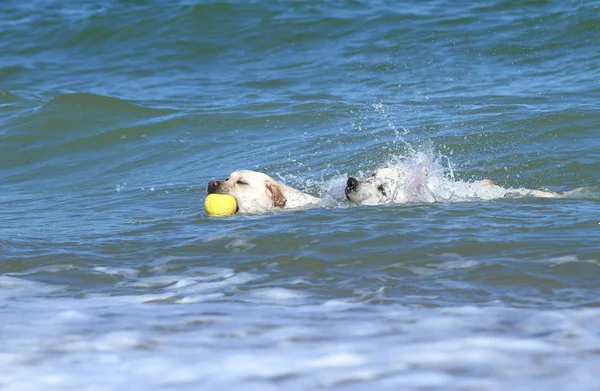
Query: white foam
(200,286)
(271,338)
(277,294)
(331,190)
(13,287)
(555,261)
(119,271)
(156,281)
(233,241)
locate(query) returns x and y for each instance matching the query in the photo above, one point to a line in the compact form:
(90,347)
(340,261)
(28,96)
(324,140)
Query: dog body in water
(256,192)
(402,183)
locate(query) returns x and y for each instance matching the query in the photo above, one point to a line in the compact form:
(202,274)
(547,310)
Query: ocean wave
(74,124)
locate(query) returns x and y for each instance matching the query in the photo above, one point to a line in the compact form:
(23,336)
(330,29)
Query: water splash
(431,178)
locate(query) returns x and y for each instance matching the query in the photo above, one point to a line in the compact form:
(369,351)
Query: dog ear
(275,193)
(486,182)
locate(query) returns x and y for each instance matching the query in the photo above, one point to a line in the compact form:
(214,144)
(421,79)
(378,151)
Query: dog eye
(241,182)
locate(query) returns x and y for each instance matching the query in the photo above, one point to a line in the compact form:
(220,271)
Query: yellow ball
(220,205)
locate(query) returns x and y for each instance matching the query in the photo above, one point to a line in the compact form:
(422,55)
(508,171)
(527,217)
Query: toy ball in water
(220,205)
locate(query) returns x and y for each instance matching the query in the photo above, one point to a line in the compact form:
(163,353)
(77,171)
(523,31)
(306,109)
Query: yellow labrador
(256,192)
(401,184)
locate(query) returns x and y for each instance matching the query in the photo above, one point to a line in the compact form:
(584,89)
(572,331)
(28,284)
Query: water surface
(114,116)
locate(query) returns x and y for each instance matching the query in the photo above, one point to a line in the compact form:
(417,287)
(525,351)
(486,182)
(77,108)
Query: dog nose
(212,187)
(351,185)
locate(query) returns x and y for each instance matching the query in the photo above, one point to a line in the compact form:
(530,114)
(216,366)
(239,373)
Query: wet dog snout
(212,187)
(351,185)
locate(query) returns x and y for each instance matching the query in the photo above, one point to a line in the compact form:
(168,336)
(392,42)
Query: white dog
(401,184)
(258,193)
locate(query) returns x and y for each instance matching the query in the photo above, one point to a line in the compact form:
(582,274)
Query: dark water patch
(99,107)
(73,130)
(12,71)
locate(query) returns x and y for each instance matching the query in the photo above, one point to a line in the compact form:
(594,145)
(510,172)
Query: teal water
(115,115)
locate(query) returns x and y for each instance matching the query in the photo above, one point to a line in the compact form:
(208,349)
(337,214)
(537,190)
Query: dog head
(385,185)
(253,191)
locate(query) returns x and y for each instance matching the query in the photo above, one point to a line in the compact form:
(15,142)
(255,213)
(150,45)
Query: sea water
(116,114)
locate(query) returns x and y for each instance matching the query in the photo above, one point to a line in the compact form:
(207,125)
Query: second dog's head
(385,185)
